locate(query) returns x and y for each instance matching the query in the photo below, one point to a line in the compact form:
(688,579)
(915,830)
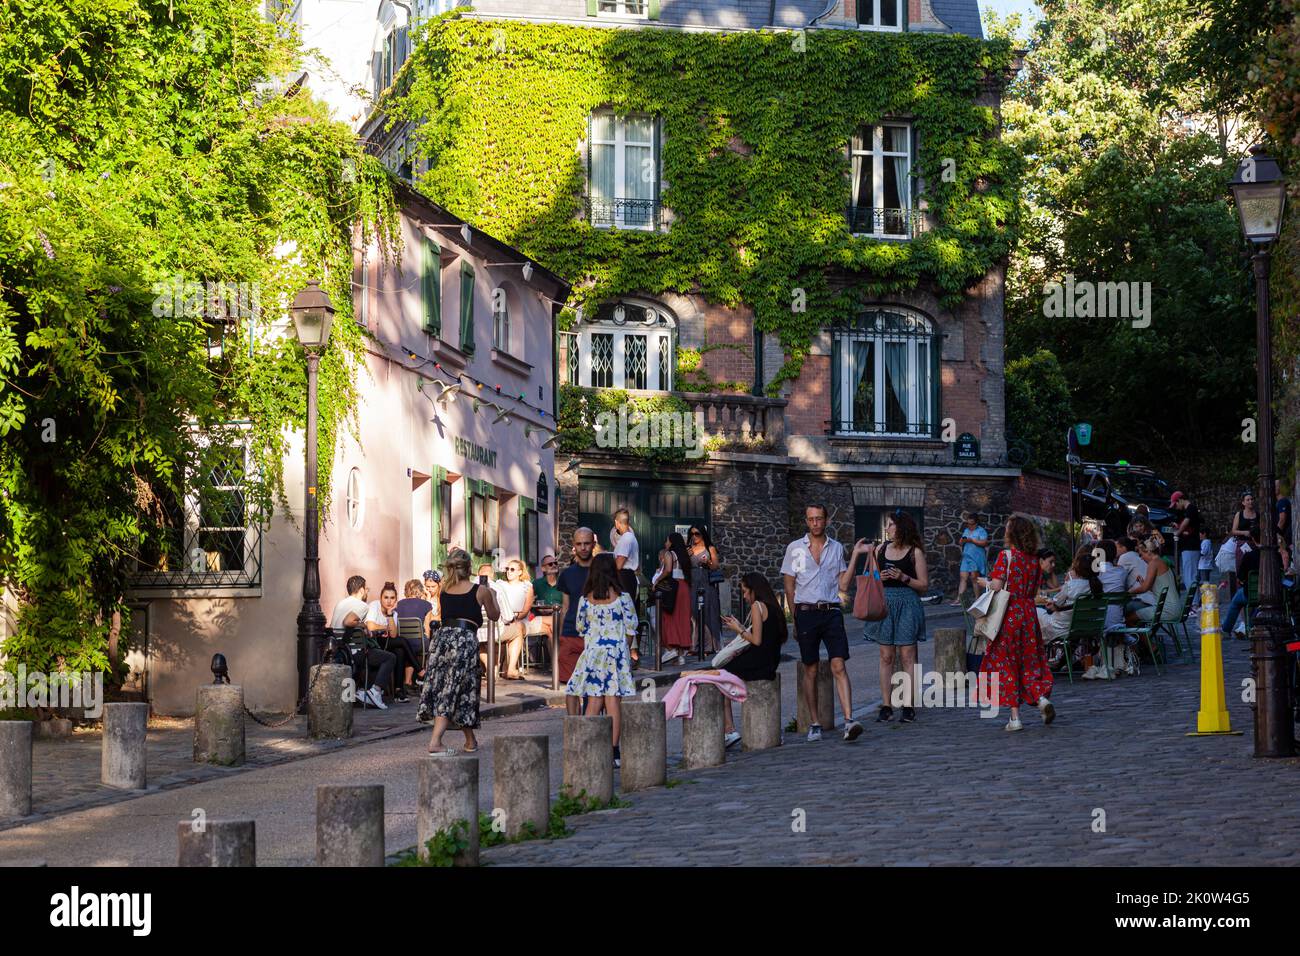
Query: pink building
(467,469)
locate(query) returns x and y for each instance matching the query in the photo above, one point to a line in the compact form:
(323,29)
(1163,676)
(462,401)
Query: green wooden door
(658,508)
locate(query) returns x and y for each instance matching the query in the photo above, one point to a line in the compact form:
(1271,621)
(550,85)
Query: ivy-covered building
(790,217)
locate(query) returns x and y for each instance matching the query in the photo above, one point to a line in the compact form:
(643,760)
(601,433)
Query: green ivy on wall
(582,411)
(754,158)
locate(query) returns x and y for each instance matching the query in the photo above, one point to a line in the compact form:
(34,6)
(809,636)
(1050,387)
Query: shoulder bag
(869,597)
(989,623)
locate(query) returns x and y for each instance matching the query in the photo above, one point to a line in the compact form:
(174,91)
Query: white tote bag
(989,623)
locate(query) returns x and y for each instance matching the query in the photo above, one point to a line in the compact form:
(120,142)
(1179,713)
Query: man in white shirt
(1130,561)
(627,556)
(814,572)
(351,612)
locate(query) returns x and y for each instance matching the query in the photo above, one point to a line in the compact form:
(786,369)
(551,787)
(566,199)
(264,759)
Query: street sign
(966,448)
(1084,431)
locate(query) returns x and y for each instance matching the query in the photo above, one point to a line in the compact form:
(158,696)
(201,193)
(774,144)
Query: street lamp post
(1260,194)
(313,314)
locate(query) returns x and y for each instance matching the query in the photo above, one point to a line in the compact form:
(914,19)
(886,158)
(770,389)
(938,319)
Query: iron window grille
(885,376)
(210,536)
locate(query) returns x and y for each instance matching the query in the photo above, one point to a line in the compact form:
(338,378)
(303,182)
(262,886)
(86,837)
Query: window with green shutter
(466,307)
(431,286)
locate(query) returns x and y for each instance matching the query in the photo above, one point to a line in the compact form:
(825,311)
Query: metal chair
(1086,622)
(358,640)
(1149,630)
(412,628)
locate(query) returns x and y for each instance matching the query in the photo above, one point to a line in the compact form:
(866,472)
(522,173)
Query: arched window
(884,375)
(627,344)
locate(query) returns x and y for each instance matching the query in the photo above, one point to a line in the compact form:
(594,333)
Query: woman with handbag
(705,566)
(1015,653)
(901,560)
(764,633)
(674,600)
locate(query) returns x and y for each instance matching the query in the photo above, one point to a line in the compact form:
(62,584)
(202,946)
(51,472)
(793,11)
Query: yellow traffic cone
(1212,718)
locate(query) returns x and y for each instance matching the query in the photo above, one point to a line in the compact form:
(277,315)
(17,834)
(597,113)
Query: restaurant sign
(467,449)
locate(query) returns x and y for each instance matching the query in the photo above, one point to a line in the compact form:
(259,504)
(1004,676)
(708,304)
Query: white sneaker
(1089,674)
(1047,710)
(377,698)
(731,739)
(670,657)
(814,733)
(1014,724)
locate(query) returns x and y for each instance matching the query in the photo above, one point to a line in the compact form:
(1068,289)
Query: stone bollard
(589,756)
(218,843)
(122,760)
(16,769)
(329,705)
(644,745)
(760,714)
(448,795)
(350,825)
(702,732)
(219,725)
(950,650)
(521,782)
(825,699)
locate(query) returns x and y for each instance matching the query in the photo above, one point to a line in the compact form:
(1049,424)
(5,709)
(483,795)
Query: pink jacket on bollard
(680,698)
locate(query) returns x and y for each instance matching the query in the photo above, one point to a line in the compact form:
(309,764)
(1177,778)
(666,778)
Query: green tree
(1039,408)
(140,142)
(1128,182)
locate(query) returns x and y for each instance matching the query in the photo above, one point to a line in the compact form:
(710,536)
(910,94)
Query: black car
(1110,493)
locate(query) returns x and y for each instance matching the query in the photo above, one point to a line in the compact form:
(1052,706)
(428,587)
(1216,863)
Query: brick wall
(1042,495)
(810,398)
(734,330)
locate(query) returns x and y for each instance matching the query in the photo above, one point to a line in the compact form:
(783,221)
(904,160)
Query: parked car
(1111,494)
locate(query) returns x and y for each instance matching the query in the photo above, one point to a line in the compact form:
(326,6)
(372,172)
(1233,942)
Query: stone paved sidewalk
(955,789)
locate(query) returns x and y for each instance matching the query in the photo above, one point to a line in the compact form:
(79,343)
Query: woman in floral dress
(1016,654)
(607,622)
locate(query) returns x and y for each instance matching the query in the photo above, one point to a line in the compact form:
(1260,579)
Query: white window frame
(621,9)
(355,494)
(875,24)
(652,337)
(920,369)
(620,143)
(879,156)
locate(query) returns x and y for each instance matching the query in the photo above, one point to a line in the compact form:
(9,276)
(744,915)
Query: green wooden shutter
(652,9)
(431,287)
(591,8)
(439,550)
(835,383)
(466,307)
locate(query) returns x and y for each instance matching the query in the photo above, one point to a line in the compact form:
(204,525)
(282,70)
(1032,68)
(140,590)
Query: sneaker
(1047,710)
(814,733)
(1089,674)
(909,715)
(669,657)
(401,696)
(377,698)
(618,758)
(852,730)
(731,739)
(1014,724)
(886,713)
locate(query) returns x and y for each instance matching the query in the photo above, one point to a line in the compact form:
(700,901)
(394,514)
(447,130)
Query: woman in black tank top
(765,631)
(451,685)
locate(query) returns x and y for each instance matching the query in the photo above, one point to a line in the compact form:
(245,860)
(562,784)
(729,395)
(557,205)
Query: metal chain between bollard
(297,707)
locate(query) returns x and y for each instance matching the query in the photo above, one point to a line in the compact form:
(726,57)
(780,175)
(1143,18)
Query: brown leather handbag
(869,597)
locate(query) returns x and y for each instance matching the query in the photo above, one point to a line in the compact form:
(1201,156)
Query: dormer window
(880,14)
(642,9)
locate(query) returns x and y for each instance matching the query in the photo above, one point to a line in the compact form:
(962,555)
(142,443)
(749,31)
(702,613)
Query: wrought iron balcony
(892,428)
(887,223)
(644,214)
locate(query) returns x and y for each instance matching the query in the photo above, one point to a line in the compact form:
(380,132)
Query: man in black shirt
(1188,520)
(571,582)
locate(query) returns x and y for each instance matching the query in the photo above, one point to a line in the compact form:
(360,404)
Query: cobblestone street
(953,789)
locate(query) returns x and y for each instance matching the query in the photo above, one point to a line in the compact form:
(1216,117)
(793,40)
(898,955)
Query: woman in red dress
(1016,655)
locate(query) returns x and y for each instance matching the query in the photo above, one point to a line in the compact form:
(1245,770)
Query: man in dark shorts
(812,569)
(571,582)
